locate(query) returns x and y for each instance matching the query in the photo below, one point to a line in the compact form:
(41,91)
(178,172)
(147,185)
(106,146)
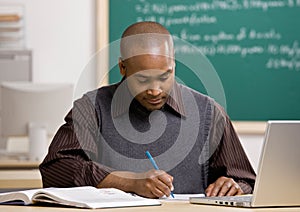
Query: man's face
(150,79)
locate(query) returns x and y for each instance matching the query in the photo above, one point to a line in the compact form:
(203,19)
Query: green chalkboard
(252,45)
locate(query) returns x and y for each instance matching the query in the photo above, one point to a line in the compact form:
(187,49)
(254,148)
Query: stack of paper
(12,27)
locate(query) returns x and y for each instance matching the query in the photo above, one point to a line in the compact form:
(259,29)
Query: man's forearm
(151,184)
(119,179)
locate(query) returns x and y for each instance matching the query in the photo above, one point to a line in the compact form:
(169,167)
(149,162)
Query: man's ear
(122,67)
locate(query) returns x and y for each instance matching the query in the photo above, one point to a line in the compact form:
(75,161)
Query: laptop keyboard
(241,198)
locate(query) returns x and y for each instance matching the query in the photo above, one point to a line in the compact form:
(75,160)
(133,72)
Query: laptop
(278,179)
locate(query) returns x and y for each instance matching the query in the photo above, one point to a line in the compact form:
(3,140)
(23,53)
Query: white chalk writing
(228,49)
(191,20)
(146,7)
(242,34)
(243,40)
(279,63)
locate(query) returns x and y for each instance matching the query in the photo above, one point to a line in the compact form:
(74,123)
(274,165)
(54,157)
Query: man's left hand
(223,186)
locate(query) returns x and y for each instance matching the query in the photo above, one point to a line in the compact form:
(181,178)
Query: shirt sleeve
(229,158)
(72,154)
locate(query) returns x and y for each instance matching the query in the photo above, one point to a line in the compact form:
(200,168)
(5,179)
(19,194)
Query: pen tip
(172,194)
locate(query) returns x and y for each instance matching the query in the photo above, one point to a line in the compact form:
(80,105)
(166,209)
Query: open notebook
(277,183)
(82,197)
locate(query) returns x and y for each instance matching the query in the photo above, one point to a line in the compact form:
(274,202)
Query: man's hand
(151,184)
(223,186)
(154,184)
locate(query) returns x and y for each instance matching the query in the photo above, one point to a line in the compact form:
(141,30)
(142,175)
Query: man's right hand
(151,184)
(154,184)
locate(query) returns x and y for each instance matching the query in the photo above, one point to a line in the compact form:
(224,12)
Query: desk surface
(166,206)
(19,174)
(18,164)
(21,179)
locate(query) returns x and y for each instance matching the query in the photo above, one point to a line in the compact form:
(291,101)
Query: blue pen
(154,165)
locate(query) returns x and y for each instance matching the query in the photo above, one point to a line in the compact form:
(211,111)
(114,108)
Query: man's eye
(142,80)
(164,77)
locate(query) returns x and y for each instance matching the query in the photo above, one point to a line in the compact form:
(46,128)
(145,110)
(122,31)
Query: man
(108,131)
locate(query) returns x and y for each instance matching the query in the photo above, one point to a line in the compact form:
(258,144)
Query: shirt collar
(122,99)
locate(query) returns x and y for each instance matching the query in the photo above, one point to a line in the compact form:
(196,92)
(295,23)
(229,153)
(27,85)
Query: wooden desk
(166,206)
(19,174)
(20,179)
(18,164)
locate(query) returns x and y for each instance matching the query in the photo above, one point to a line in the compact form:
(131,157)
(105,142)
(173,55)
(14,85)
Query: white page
(25,196)
(94,198)
(180,197)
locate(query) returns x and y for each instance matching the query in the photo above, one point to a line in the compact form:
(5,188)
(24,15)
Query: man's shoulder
(198,95)
(203,98)
(101,94)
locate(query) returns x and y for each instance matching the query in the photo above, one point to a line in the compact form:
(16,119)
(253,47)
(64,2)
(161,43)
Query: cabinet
(15,65)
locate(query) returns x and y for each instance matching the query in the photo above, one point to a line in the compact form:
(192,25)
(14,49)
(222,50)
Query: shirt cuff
(98,172)
(247,189)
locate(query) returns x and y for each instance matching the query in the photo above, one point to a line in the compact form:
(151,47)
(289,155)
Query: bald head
(145,27)
(146,38)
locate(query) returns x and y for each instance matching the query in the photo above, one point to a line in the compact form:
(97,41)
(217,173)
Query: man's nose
(154,89)
(154,92)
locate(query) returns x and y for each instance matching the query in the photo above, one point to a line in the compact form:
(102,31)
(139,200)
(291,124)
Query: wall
(62,36)
(252,145)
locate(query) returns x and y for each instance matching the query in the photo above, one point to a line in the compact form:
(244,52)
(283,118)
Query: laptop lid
(277,182)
